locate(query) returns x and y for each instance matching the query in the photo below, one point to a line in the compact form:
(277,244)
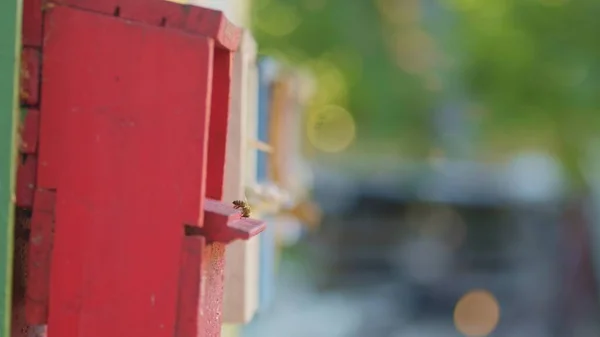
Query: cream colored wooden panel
(252,120)
(288,159)
(241,269)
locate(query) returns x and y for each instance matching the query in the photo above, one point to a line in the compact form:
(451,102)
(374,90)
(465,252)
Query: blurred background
(447,172)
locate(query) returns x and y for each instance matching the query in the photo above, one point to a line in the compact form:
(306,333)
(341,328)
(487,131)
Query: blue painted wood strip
(264,104)
(267,238)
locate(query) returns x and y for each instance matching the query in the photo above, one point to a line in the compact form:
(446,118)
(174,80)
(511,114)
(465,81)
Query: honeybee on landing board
(243,206)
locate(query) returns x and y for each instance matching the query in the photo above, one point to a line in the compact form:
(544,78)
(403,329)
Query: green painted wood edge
(10,54)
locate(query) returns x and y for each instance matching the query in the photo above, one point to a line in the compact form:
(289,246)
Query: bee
(243,206)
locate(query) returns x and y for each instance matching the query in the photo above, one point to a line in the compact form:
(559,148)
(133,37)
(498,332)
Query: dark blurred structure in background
(458,245)
(439,231)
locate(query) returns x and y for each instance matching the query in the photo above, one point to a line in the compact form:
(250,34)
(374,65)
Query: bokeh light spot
(415,51)
(477,313)
(282,20)
(331,83)
(330,128)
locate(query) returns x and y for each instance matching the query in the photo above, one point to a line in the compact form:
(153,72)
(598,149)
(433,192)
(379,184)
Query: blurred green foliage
(529,66)
(343,43)
(533,63)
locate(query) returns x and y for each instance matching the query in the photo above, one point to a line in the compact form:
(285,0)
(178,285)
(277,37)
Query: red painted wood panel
(189,308)
(32,23)
(26,175)
(199,310)
(30,131)
(224,224)
(123,139)
(40,251)
(30,76)
(213,281)
(198,20)
(219,119)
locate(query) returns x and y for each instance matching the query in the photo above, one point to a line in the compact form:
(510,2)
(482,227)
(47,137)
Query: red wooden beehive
(128,231)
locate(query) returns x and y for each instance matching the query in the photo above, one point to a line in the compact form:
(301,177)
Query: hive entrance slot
(189,230)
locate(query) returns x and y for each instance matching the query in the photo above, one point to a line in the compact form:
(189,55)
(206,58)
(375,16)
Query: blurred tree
(532,63)
(525,68)
(352,50)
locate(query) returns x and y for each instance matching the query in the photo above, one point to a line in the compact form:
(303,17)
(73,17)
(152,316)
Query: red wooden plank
(219,214)
(193,19)
(30,76)
(198,20)
(123,141)
(40,251)
(199,309)
(30,132)
(245,229)
(111,7)
(32,23)
(189,310)
(45,201)
(19,324)
(156,12)
(68,256)
(219,119)
(213,281)
(153,12)
(213,24)
(26,175)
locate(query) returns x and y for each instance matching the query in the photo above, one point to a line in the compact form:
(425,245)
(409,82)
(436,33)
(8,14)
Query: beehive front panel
(123,141)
